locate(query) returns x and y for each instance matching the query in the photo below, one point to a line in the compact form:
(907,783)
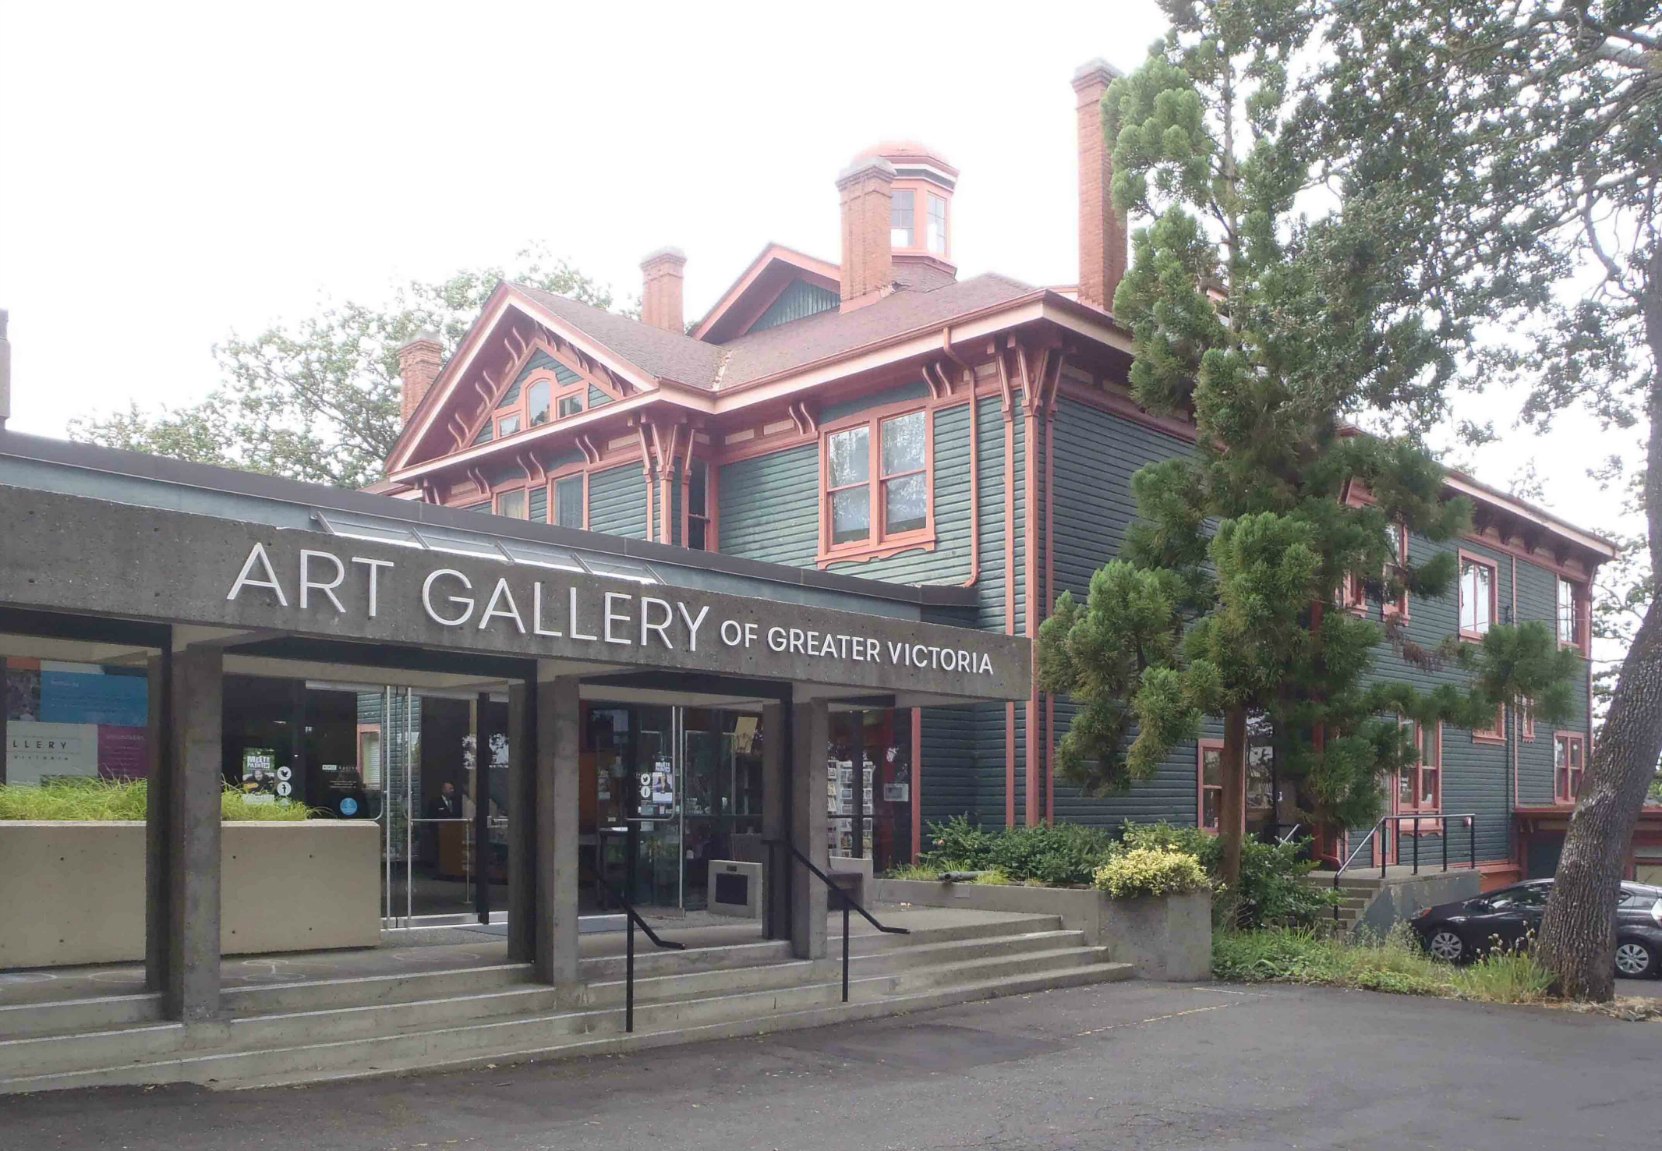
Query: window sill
(1488,737)
(1472,636)
(881,549)
(1392,611)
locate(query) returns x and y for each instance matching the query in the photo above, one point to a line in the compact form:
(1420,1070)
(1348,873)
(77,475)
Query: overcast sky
(170,174)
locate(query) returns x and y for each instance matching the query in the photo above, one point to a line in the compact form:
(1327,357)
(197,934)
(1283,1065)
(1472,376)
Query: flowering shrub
(1150,871)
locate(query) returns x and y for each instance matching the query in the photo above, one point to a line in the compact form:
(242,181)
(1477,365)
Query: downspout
(1050,578)
(1009,581)
(1030,402)
(1513,843)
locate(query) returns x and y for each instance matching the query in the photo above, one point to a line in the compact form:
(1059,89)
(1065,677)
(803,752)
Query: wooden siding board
(798,301)
(617,502)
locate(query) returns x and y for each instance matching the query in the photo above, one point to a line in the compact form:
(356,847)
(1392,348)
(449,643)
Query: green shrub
(1059,855)
(1272,891)
(1394,964)
(1150,871)
(1062,855)
(957,845)
(100,801)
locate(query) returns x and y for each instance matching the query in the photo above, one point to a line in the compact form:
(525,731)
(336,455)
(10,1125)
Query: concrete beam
(522,823)
(556,929)
(193,833)
(810,731)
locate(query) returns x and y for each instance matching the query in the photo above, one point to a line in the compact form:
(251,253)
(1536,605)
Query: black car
(1509,917)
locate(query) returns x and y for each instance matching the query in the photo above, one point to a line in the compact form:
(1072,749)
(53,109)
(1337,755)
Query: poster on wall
(39,752)
(68,720)
(259,775)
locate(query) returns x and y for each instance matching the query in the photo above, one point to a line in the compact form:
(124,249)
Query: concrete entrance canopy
(200,572)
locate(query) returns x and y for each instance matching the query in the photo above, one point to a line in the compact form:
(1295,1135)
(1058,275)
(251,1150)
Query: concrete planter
(73,893)
(1167,938)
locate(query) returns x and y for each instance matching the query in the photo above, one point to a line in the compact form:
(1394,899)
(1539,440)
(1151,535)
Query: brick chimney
(661,298)
(1102,238)
(419,362)
(868,260)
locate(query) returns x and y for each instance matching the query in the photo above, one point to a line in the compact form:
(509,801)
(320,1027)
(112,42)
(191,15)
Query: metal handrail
(1288,838)
(635,921)
(1396,821)
(848,903)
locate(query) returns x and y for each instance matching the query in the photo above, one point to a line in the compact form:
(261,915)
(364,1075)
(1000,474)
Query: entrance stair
(331,1029)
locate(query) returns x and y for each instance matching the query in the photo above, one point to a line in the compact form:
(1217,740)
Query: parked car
(1509,917)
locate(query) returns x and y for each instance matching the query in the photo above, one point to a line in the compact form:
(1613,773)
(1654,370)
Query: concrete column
(556,856)
(810,730)
(158,919)
(522,823)
(194,767)
(776,912)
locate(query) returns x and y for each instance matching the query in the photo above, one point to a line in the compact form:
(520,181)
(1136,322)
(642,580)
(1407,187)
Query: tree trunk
(1232,800)
(1578,932)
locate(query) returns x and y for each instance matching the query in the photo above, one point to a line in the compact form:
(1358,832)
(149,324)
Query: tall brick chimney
(1102,236)
(868,258)
(661,297)
(419,362)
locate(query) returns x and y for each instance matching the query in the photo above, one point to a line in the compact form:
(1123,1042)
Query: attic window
(537,403)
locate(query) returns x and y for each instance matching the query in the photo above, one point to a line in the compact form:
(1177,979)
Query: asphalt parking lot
(1129,1065)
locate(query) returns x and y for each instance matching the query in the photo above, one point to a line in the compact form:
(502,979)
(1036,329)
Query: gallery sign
(77,554)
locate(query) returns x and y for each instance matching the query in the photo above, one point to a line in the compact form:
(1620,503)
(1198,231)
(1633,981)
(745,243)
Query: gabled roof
(759,285)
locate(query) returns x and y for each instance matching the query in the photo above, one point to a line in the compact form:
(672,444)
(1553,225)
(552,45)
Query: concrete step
(404,987)
(573,1033)
(71,1016)
(309,1029)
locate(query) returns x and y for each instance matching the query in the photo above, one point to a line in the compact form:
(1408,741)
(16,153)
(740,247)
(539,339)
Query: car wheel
(1446,945)
(1634,960)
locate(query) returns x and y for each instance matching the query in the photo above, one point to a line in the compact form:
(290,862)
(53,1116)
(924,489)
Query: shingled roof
(778,350)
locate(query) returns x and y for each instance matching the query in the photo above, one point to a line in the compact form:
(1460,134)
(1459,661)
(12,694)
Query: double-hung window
(1569,762)
(568,501)
(1572,621)
(877,485)
(512,503)
(902,225)
(1420,784)
(1478,596)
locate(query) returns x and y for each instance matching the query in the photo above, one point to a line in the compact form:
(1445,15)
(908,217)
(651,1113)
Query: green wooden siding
(831,413)
(597,397)
(798,301)
(617,502)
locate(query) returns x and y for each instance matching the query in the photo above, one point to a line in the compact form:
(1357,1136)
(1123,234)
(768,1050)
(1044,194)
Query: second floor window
(1571,630)
(1477,596)
(877,480)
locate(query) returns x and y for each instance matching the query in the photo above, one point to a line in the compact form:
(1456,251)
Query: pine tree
(1260,323)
